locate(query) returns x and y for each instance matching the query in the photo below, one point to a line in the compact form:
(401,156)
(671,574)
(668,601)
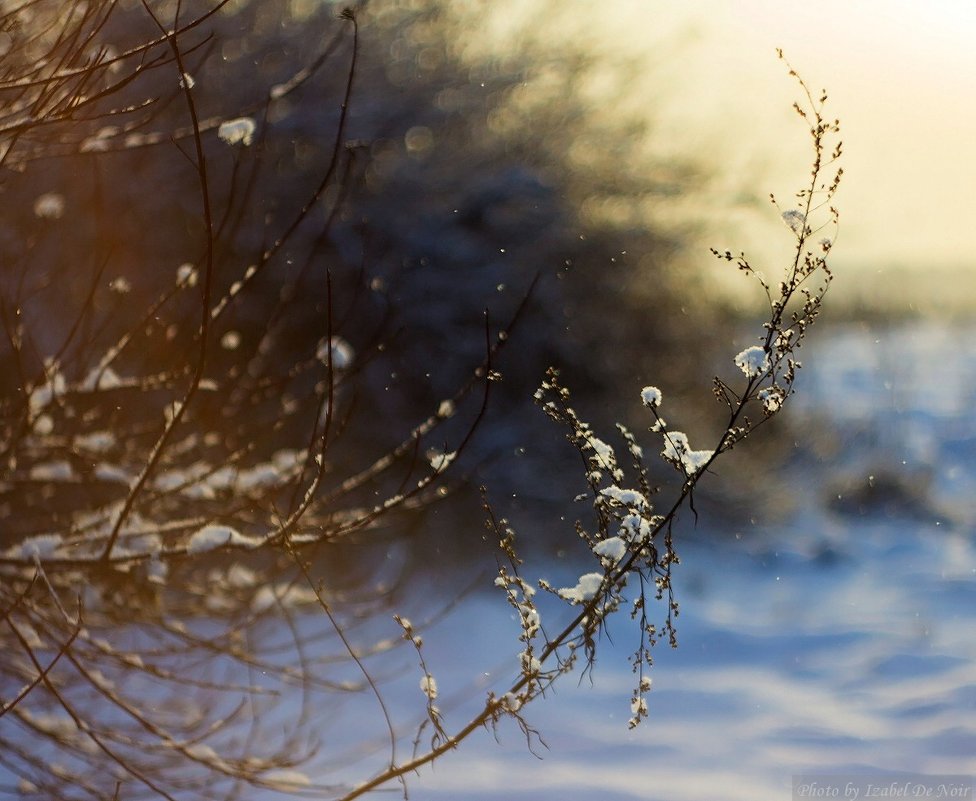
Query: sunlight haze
(900,76)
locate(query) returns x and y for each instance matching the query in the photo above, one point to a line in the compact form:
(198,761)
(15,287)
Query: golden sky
(901,75)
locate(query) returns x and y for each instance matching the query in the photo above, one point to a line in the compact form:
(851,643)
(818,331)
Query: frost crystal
(239,131)
(753,361)
(651,397)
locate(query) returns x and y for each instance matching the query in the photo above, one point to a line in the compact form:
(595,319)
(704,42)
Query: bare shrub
(180,424)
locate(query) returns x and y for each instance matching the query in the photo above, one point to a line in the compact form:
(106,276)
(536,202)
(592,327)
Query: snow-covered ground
(841,641)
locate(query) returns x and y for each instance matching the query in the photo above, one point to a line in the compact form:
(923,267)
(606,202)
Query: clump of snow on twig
(238,131)
(213,536)
(753,361)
